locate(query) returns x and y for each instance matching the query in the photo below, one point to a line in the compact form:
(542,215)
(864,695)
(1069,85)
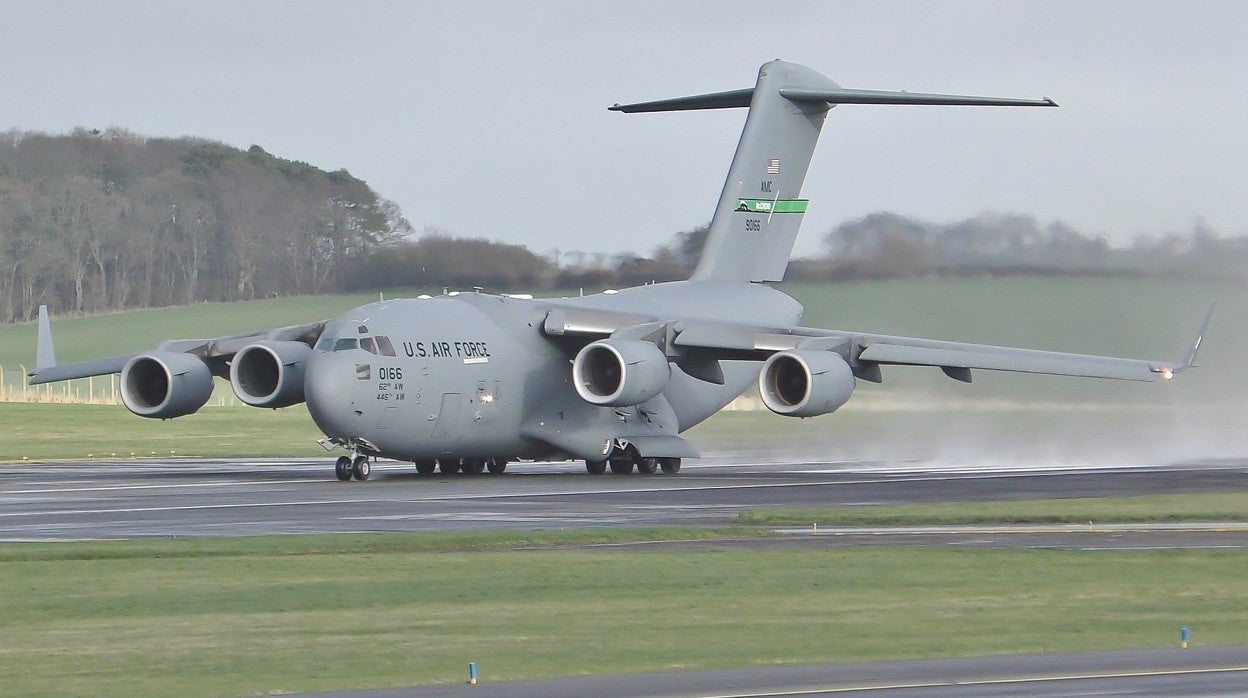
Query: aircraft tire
(448,466)
(497,466)
(622,466)
(671,466)
(426,466)
(360,468)
(595,467)
(473,466)
(342,468)
(647,466)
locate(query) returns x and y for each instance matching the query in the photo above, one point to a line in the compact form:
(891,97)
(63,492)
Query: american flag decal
(773,166)
(363,372)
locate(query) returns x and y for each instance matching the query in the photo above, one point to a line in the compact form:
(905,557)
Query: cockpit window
(330,341)
(328,335)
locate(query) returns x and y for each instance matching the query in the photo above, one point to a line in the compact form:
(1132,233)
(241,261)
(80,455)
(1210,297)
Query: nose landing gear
(347,467)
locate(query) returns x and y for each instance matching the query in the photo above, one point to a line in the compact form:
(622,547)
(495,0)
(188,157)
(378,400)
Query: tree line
(886,245)
(99,221)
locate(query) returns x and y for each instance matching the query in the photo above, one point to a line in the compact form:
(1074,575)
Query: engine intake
(800,383)
(163,385)
(269,373)
(620,372)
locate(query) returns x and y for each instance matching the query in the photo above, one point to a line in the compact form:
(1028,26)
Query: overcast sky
(489,119)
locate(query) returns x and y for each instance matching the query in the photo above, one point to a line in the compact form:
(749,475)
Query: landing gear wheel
(647,466)
(497,466)
(595,467)
(359,468)
(342,468)
(426,466)
(671,466)
(622,466)
(448,466)
(473,466)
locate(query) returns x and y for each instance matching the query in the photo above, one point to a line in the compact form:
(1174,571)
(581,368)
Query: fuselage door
(448,416)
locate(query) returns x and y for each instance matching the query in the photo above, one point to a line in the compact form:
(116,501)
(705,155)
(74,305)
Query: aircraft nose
(327,384)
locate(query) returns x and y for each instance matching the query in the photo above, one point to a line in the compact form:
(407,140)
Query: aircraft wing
(696,341)
(216,352)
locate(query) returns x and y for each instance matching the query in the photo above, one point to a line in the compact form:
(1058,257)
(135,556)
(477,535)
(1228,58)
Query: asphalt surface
(1212,671)
(142,498)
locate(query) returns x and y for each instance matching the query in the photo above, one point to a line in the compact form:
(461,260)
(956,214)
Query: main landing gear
(347,467)
(468,466)
(624,462)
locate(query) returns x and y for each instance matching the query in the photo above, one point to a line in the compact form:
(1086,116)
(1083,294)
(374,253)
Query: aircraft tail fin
(760,208)
(45,353)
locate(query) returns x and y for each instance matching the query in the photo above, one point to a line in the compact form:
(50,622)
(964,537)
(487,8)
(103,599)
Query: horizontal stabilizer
(735,99)
(714,100)
(846,96)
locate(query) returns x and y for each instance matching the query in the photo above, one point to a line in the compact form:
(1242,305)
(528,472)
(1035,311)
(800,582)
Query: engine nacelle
(800,383)
(269,373)
(164,384)
(620,372)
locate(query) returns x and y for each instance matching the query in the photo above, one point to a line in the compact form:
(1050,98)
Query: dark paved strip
(1209,671)
(136,499)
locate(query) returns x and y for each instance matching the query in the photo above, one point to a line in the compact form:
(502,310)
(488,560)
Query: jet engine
(163,385)
(800,383)
(620,372)
(269,373)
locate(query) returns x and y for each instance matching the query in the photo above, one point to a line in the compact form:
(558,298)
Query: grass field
(1164,508)
(255,616)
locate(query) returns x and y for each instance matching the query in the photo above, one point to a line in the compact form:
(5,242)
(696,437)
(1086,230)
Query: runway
(1202,672)
(197,497)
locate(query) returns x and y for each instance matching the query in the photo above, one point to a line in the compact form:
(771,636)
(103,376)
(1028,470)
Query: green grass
(1167,508)
(82,338)
(51,432)
(254,617)
(367,544)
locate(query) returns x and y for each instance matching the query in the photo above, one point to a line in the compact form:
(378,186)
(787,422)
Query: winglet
(45,353)
(1190,360)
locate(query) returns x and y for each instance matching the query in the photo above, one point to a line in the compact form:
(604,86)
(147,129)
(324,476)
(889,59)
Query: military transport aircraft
(470,381)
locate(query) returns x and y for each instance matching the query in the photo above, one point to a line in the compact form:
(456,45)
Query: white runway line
(1023,680)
